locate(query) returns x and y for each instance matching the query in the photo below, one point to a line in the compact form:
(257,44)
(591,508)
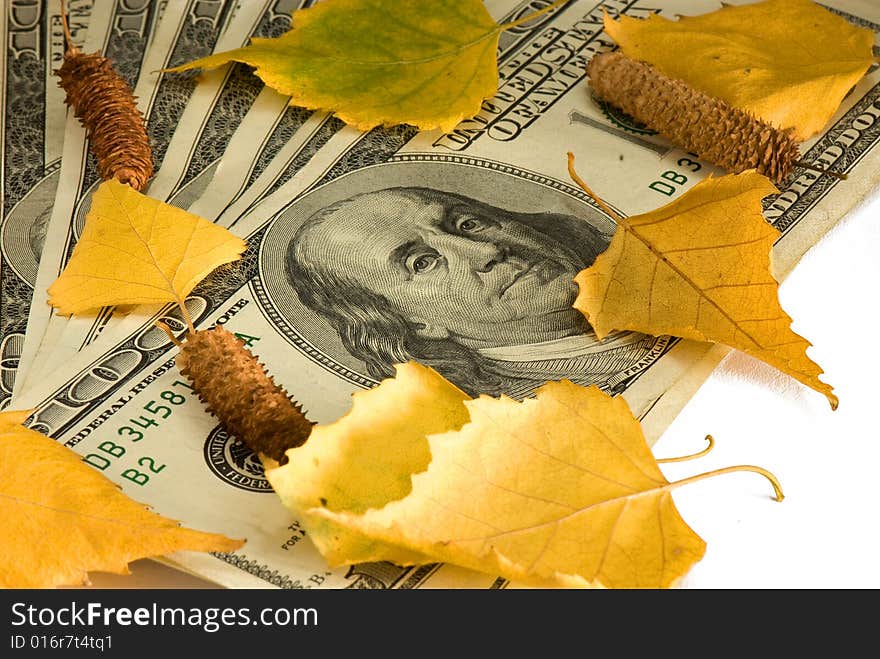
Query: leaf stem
(526,19)
(692,456)
(164,327)
(72,50)
(577,179)
(186,316)
(727,470)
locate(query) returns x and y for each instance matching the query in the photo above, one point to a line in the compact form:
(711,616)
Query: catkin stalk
(105,105)
(237,390)
(728,137)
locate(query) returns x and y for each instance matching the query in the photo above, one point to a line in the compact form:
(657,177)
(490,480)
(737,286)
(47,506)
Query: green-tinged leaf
(380,62)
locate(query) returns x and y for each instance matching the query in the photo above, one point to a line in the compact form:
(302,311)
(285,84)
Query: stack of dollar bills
(341,226)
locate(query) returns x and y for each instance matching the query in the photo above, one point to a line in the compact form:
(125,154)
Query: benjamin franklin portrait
(478,286)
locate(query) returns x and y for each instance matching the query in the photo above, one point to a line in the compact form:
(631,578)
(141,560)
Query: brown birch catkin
(237,390)
(105,105)
(728,137)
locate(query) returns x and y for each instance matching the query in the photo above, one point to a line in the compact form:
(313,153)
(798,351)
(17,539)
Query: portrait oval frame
(491,182)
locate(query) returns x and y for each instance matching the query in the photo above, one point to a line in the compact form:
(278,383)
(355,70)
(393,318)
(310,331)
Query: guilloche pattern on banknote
(287,126)
(321,137)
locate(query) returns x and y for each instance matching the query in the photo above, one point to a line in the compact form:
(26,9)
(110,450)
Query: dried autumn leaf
(429,64)
(365,459)
(560,489)
(62,519)
(788,62)
(699,268)
(138,250)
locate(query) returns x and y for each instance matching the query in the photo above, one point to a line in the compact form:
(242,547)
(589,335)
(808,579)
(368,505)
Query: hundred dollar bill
(140,45)
(456,250)
(33,116)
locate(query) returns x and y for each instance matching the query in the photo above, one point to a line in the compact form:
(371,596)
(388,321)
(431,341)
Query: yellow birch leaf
(138,250)
(428,64)
(63,519)
(699,268)
(789,62)
(556,490)
(365,459)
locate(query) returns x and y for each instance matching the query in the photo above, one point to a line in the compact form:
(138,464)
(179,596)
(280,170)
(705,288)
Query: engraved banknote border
(835,150)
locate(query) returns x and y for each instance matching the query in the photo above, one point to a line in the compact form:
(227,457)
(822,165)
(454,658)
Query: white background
(826,532)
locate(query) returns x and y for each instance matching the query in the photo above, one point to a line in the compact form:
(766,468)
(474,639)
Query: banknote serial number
(60,642)
(155,412)
(671,181)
